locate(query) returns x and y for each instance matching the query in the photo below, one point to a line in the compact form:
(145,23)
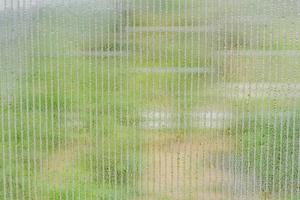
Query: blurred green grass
(269,148)
(88,105)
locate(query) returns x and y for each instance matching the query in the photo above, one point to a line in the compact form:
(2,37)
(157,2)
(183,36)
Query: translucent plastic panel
(149,99)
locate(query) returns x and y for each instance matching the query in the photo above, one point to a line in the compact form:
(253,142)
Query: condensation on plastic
(149,99)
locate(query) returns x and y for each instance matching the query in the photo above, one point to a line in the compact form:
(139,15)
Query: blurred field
(81,82)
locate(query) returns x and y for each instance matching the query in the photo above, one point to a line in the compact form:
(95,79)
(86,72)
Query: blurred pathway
(185,168)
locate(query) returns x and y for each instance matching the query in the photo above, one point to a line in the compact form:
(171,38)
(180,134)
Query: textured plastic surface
(149,99)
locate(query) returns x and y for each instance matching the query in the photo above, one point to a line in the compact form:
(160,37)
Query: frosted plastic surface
(149,99)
